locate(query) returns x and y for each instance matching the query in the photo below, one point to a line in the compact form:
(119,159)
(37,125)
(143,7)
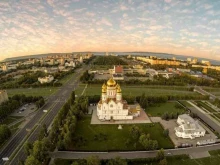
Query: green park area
(138,90)
(109,138)
(11,119)
(160,109)
(32,91)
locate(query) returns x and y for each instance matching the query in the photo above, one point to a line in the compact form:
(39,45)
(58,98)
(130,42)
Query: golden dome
(111,82)
(104,90)
(104,86)
(119,90)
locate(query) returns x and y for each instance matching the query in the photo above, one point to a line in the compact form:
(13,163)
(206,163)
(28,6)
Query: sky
(185,27)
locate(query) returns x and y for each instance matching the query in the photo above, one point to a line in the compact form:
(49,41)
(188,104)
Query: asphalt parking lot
(25,110)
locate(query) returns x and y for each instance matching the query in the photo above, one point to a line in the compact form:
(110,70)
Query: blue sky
(169,26)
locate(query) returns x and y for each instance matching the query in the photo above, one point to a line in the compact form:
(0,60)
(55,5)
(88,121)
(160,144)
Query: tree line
(160,159)
(61,133)
(177,80)
(86,77)
(5,133)
(16,101)
(109,60)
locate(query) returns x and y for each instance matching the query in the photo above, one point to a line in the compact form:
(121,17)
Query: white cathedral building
(111,105)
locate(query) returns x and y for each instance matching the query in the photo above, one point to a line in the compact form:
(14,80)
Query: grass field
(32,91)
(204,105)
(116,139)
(138,90)
(214,159)
(159,110)
(185,103)
(66,78)
(11,119)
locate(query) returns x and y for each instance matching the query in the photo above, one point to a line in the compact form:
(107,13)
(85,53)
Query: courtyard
(107,137)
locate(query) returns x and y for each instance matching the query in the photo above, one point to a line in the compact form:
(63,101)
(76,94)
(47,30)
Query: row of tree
(61,133)
(5,133)
(17,101)
(146,101)
(95,160)
(217,102)
(178,80)
(109,60)
(86,77)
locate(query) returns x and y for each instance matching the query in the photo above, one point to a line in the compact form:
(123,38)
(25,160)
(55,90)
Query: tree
(75,163)
(166,132)
(147,143)
(163,162)
(165,116)
(5,133)
(160,154)
(43,132)
(27,148)
(93,160)
(72,98)
(40,150)
(135,132)
(117,161)
(31,160)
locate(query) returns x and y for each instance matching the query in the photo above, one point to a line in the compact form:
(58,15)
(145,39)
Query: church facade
(111,105)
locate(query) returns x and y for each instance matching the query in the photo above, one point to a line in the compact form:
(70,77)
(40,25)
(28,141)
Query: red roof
(118,69)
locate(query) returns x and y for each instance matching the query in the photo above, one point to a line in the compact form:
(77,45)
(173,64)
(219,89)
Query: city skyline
(165,26)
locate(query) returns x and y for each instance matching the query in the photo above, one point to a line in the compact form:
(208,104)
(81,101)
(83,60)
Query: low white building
(188,127)
(46,79)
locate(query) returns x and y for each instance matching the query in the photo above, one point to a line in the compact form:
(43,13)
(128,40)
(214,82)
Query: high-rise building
(5,68)
(3,96)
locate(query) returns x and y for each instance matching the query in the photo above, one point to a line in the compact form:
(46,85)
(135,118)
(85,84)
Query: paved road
(132,154)
(55,101)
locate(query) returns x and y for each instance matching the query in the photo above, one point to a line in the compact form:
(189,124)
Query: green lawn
(11,119)
(138,90)
(160,109)
(66,78)
(32,91)
(185,103)
(204,105)
(116,139)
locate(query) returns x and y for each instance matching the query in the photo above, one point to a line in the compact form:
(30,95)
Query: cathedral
(111,105)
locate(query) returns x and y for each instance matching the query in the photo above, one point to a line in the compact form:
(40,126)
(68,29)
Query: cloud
(156,27)
(167,1)
(91,14)
(125,15)
(80,10)
(37,26)
(104,21)
(123,7)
